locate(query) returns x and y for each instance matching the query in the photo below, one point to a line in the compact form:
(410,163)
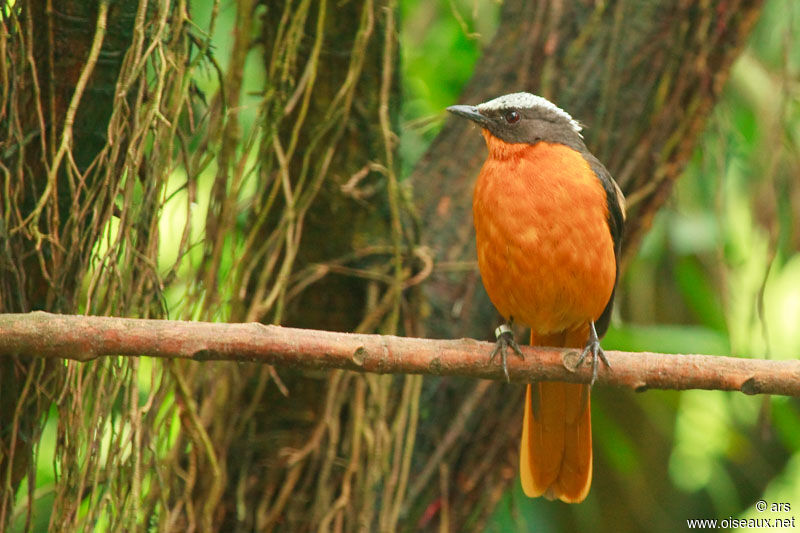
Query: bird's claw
(593,347)
(505,339)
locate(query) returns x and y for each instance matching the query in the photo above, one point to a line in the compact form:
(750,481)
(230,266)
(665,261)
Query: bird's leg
(593,347)
(505,339)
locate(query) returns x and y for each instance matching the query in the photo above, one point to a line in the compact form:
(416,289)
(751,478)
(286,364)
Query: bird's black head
(523,118)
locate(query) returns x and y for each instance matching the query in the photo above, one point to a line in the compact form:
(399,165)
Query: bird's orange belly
(544,247)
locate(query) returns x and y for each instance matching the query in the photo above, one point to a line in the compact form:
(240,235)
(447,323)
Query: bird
(548,220)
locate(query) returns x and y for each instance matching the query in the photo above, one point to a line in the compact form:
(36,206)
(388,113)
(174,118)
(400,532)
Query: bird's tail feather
(556,448)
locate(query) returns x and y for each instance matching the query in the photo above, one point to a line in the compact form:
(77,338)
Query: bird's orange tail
(556,450)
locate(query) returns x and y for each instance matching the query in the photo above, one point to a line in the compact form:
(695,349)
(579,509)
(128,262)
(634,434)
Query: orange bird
(548,227)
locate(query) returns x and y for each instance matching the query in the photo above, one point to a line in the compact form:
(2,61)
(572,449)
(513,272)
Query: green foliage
(729,247)
(440,43)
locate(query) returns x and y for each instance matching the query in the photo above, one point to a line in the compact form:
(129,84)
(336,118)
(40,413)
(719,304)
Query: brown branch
(83,338)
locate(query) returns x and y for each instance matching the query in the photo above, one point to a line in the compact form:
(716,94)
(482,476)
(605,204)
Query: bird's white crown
(528,101)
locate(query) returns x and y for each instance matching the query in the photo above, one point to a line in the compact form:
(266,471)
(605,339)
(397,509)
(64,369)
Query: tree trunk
(45,243)
(323,247)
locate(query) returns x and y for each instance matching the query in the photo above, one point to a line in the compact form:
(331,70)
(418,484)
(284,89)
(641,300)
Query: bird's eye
(512,116)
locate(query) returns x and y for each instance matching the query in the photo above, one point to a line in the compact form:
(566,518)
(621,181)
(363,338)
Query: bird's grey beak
(469,111)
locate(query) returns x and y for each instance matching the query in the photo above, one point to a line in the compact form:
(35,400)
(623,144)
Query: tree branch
(84,338)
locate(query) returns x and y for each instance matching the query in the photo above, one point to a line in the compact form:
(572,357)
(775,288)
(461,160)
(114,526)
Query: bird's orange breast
(545,250)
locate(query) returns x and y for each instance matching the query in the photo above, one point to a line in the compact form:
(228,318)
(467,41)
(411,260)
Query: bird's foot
(505,339)
(593,347)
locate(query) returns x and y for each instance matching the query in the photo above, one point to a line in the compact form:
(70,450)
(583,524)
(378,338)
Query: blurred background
(718,273)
